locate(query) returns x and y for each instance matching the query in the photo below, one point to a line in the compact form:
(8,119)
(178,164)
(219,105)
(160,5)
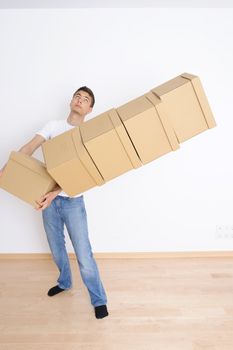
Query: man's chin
(77,110)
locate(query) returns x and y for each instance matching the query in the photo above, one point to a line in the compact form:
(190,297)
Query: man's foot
(101,311)
(55,290)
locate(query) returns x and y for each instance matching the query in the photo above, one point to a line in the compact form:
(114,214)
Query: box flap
(168,128)
(29,162)
(95,127)
(133,108)
(85,157)
(58,150)
(144,126)
(202,99)
(125,138)
(169,85)
(188,76)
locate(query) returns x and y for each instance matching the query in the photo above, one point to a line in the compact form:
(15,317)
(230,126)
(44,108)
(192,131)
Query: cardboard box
(151,135)
(69,163)
(109,146)
(26,178)
(185,104)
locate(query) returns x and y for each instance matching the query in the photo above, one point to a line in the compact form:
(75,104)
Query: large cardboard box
(109,146)
(185,104)
(151,135)
(69,163)
(26,178)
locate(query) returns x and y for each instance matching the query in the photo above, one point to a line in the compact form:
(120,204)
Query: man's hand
(45,201)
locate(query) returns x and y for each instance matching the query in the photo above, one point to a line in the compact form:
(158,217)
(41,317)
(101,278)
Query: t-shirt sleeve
(46,131)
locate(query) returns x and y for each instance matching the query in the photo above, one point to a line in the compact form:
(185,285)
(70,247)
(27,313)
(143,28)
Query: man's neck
(75,119)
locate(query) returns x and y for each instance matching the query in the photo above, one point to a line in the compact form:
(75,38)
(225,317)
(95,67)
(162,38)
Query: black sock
(101,311)
(55,290)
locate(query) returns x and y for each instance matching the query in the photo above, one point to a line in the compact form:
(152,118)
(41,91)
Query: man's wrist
(57,190)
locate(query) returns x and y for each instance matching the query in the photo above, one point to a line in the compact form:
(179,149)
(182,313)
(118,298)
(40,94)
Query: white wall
(172,204)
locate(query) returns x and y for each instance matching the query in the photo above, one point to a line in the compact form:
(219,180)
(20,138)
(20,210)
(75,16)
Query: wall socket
(224,231)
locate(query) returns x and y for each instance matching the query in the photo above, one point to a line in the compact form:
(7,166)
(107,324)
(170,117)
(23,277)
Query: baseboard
(126,255)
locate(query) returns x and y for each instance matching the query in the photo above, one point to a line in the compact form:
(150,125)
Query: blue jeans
(71,212)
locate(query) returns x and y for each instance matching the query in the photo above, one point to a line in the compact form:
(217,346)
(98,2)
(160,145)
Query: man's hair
(89,91)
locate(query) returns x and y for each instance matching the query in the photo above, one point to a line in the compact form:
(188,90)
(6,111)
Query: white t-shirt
(54,128)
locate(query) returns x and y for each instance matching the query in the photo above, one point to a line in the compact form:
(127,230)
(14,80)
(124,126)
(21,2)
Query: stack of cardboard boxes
(114,142)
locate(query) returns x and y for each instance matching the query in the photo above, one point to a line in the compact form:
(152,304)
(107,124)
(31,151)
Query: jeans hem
(62,287)
(100,304)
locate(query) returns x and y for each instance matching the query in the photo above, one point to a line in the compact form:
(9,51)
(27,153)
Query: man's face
(81,103)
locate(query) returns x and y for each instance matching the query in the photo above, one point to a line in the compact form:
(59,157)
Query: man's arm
(30,147)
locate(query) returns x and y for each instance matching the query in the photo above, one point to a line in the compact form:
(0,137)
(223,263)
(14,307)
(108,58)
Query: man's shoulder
(56,124)
(53,128)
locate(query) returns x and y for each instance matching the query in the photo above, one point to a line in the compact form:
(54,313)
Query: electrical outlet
(224,231)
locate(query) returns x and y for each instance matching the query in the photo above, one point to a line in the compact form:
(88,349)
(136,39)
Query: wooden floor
(154,304)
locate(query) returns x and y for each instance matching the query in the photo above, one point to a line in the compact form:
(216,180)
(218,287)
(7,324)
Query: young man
(58,209)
